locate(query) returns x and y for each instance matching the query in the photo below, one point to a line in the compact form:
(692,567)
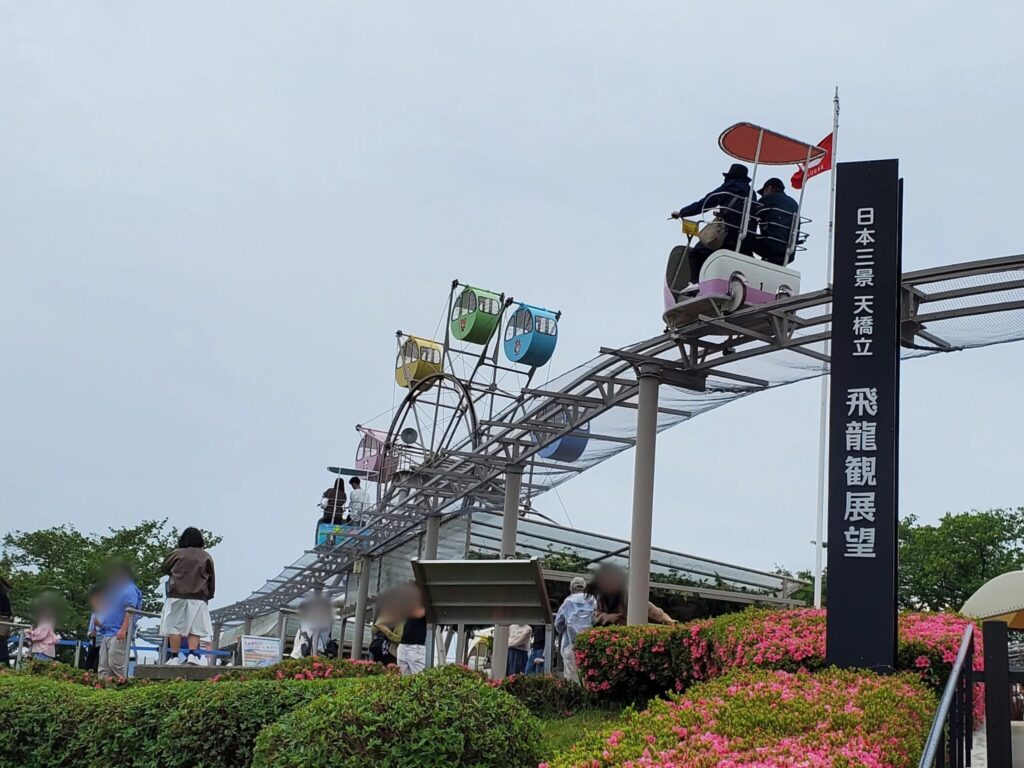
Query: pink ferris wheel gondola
(371,457)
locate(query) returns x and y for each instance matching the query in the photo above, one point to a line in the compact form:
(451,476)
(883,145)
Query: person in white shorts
(189,589)
(412,651)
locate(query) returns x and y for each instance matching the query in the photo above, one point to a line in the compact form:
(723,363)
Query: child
(189,589)
(42,636)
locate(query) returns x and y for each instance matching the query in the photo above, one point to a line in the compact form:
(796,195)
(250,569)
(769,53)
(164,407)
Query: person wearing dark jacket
(776,216)
(730,199)
(189,589)
(333,502)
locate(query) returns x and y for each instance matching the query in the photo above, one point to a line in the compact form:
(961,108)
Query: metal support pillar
(643,497)
(247,626)
(214,645)
(282,626)
(997,694)
(460,645)
(549,647)
(430,538)
(431,642)
(362,597)
(509,529)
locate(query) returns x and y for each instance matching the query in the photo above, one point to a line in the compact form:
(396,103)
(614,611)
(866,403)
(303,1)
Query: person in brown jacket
(189,589)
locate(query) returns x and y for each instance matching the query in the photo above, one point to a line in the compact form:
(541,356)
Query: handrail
(140,612)
(936,735)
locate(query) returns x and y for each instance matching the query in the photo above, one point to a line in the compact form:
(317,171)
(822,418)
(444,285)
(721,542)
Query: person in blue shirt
(115,623)
(776,216)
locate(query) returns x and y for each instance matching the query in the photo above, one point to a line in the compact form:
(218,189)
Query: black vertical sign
(863,423)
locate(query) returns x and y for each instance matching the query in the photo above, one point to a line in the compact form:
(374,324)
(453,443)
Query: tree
(805,592)
(70,563)
(942,565)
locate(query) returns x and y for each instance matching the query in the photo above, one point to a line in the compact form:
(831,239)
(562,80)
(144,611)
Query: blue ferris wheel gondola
(530,335)
(569,447)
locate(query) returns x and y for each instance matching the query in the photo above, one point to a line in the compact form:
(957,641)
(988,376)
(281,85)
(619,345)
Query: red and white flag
(819,165)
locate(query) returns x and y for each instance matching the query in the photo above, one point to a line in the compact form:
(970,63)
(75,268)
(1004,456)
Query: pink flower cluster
(636,663)
(770,719)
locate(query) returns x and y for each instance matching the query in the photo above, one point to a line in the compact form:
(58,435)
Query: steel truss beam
(696,357)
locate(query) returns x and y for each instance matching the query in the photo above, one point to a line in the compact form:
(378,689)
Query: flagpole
(819,538)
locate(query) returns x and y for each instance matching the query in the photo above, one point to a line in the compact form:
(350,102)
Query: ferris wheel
(457,390)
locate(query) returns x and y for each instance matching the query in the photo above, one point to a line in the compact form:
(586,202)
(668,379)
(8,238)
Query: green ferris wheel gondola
(475,314)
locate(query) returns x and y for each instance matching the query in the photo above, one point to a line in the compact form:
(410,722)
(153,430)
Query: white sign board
(260,651)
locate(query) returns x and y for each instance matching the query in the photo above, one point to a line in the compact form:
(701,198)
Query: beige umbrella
(999,599)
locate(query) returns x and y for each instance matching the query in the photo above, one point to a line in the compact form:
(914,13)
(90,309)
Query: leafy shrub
(38,719)
(54,670)
(787,640)
(310,668)
(632,664)
(546,695)
(443,717)
(121,728)
(759,717)
(215,726)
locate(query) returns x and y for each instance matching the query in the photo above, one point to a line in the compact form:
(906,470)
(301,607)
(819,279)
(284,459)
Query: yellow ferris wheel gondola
(418,358)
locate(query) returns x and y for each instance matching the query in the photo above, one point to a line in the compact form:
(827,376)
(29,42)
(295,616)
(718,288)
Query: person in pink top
(42,635)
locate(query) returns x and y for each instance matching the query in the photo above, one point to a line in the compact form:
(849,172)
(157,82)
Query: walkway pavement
(978,759)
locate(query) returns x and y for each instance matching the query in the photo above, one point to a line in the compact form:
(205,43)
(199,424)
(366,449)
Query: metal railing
(951,737)
(20,628)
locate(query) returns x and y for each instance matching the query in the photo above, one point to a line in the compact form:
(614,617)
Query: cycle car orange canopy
(741,142)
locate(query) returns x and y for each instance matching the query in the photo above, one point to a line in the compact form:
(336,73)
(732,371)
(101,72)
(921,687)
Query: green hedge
(38,720)
(445,717)
(122,728)
(441,718)
(547,695)
(216,726)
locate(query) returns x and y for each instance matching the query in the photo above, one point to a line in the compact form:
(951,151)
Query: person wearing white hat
(575,615)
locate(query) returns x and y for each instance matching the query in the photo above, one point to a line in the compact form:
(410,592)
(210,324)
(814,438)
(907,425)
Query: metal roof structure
(710,363)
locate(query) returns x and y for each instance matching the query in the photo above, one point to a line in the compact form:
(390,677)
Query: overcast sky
(213,217)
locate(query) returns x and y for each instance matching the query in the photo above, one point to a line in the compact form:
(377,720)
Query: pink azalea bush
(635,663)
(787,640)
(311,668)
(545,695)
(770,719)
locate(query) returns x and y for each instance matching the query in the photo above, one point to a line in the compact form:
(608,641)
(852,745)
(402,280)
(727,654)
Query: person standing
(535,663)
(116,623)
(608,588)
(386,641)
(518,648)
(190,587)
(43,636)
(6,615)
(92,653)
(412,650)
(333,502)
(358,500)
(575,615)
